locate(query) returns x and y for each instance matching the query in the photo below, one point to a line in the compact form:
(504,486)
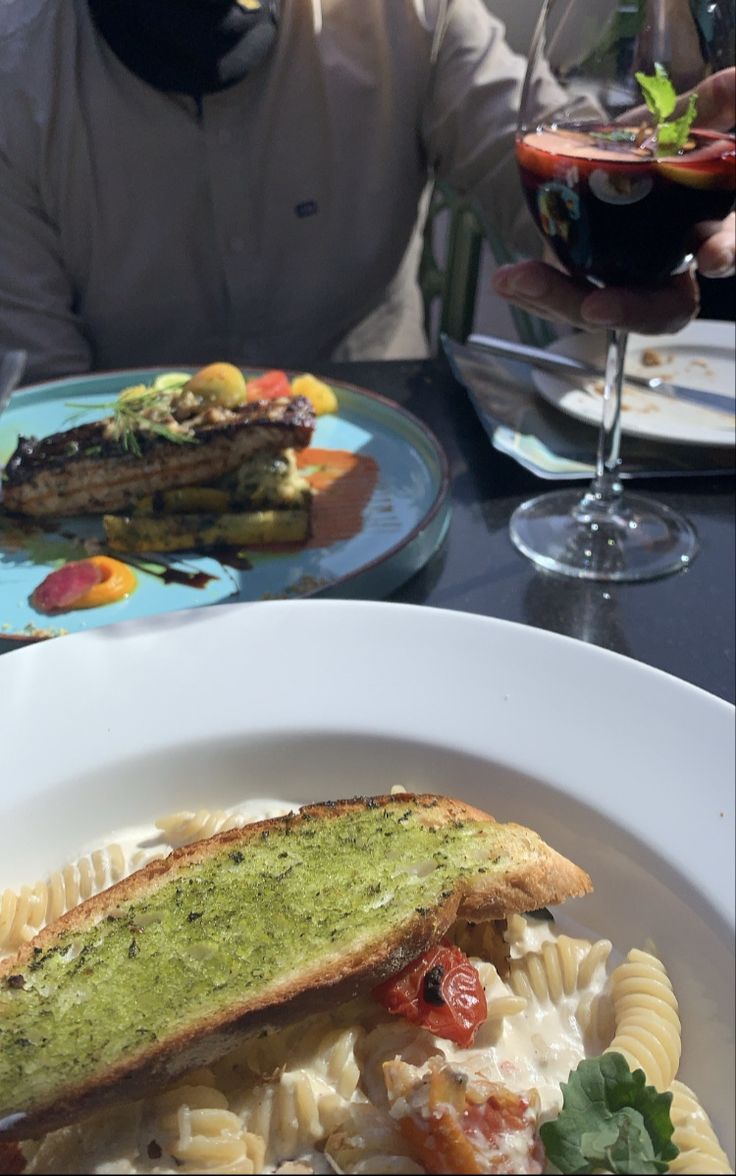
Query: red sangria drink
(616,209)
(625,146)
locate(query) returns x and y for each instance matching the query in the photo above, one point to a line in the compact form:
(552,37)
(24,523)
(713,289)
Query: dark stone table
(683,624)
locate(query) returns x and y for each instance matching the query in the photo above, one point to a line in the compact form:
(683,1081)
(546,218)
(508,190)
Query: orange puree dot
(118,582)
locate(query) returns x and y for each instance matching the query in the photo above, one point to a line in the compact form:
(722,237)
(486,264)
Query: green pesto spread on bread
(168,968)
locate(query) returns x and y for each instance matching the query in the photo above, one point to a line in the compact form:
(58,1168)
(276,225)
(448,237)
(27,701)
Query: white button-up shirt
(277,224)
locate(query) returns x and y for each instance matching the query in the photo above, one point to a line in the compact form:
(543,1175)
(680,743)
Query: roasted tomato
(12,1160)
(457,1121)
(270,386)
(61,589)
(85,583)
(441,991)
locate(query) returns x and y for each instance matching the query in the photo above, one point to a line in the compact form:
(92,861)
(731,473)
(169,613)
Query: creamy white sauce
(536,1048)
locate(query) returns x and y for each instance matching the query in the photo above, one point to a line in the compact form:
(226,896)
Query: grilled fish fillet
(84,471)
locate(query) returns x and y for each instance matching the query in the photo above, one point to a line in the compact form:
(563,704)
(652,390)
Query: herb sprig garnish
(130,420)
(661,99)
(624,136)
(610,1121)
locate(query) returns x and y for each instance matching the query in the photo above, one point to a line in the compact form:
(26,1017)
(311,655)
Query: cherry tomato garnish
(270,386)
(441,991)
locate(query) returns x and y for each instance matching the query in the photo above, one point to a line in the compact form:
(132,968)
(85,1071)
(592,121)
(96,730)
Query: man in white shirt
(189,180)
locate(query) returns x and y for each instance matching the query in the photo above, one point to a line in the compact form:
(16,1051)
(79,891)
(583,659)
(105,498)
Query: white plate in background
(700,356)
(623,768)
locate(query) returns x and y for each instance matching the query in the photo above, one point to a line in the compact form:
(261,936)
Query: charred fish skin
(86,471)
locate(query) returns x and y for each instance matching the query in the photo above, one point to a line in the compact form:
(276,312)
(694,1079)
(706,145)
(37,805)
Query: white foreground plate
(625,769)
(700,356)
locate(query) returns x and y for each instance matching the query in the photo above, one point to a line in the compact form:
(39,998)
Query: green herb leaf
(170,434)
(659,93)
(610,1120)
(661,98)
(625,136)
(130,415)
(83,409)
(672,136)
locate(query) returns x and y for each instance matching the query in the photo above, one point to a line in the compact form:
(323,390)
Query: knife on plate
(557,364)
(12,366)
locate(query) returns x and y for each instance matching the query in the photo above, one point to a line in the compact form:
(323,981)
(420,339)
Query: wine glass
(617,170)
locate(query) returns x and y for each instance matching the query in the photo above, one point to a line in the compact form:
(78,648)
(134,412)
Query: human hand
(544,289)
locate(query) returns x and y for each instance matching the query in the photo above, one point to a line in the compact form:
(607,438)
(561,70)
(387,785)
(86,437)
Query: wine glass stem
(607,485)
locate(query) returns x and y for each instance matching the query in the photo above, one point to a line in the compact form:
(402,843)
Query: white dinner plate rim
(621,683)
(565,395)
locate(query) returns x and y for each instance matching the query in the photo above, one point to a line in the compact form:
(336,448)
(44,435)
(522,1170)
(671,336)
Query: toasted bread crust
(548,879)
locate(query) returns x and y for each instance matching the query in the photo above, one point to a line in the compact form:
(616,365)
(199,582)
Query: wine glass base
(630,538)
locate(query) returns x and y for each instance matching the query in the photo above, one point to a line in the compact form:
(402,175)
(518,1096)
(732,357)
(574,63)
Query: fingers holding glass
(551,294)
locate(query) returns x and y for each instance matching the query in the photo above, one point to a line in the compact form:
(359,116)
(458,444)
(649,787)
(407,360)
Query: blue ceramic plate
(401,522)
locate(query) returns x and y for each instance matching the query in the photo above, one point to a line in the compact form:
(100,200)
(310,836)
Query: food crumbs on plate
(306,585)
(650,357)
(641,405)
(35,634)
(703,365)
(86,583)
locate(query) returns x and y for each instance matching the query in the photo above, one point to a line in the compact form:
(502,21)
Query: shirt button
(237,244)
(224,137)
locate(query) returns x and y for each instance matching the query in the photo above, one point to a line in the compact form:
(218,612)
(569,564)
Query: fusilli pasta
(184,827)
(299,1106)
(516,926)
(193,1124)
(700,1151)
(500,1003)
(370,1142)
(647,1024)
(559,969)
(597,1020)
(389,1040)
(212,1139)
(25,913)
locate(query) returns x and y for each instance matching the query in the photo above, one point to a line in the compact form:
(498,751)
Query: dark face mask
(193,47)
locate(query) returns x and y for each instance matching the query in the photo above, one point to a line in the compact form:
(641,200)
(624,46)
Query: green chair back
(455,282)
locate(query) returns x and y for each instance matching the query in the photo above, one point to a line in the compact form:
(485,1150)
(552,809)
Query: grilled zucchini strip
(184,532)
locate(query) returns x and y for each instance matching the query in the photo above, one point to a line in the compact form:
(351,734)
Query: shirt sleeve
(36,293)
(470,118)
